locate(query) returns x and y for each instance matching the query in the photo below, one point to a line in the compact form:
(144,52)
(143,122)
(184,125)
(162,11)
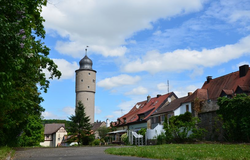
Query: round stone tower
(85,86)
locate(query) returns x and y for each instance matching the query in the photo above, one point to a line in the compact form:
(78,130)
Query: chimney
(148,98)
(243,70)
(190,93)
(209,78)
(158,95)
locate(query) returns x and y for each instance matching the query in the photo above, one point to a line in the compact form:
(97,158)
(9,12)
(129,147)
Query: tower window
(87,99)
(93,81)
(81,80)
(89,73)
(88,86)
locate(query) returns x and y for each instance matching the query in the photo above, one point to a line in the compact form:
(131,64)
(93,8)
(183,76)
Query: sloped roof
(199,93)
(144,107)
(97,125)
(227,82)
(51,128)
(171,106)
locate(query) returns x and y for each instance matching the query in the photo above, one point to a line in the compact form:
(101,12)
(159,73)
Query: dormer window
(124,120)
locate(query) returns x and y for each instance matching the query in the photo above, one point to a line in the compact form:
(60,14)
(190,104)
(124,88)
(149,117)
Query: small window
(87,99)
(88,86)
(81,80)
(89,73)
(59,139)
(187,108)
(93,81)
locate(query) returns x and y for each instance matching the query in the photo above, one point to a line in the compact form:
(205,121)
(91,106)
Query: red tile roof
(227,82)
(199,93)
(144,108)
(171,106)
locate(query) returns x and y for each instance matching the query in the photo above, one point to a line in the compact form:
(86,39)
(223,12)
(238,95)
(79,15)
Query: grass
(4,151)
(186,151)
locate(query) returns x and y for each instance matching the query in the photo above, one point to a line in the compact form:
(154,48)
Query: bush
(96,142)
(124,139)
(161,138)
(182,128)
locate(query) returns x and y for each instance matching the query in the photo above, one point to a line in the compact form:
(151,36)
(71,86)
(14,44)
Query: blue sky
(138,45)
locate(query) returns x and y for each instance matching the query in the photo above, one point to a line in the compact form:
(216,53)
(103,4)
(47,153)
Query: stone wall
(211,122)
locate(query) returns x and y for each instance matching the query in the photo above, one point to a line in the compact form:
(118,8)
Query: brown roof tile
(52,127)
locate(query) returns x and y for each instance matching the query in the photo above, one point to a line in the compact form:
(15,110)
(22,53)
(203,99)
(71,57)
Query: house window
(187,108)
(169,116)
(142,117)
(59,139)
(162,118)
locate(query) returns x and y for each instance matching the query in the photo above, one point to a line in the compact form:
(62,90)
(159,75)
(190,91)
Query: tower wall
(85,91)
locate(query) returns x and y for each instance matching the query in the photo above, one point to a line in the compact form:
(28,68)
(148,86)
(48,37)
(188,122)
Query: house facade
(139,116)
(53,134)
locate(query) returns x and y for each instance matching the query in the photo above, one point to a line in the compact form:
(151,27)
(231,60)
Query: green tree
(32,134)
(236,117)
(23,56)
(103,131)
(80,127)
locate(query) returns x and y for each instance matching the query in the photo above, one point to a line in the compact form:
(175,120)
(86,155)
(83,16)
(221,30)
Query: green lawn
(4,151)
(186,151)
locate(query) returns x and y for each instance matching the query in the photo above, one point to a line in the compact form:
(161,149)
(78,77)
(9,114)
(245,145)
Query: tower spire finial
(86,50)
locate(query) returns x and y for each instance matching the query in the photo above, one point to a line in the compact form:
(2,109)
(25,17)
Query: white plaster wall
(182,109)
(153,133)
(59,134)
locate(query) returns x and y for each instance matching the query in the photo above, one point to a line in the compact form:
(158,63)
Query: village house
(139,116)
(96,126)
(53,134)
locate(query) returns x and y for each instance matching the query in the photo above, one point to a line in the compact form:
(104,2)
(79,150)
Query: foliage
(103,131)
(186,151)
(124,138)
(5,151)
(23,57)
(182,128)
(161,138)
(142,131)
(80,127)
(113,128)
(236,117)
(96,142)
(32,134)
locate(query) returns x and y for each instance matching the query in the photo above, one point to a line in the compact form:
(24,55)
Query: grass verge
(186,151)
(5,151)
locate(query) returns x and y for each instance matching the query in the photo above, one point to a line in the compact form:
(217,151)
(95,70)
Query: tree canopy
(236,117)
(23,57)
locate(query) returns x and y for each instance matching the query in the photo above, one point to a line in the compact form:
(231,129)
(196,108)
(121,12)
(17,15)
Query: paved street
(69,153)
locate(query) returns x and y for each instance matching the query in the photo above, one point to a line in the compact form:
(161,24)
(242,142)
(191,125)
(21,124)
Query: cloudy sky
(138,45)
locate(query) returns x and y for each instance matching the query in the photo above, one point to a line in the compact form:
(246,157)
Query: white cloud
(107,24)
(180,60)
(162,87)
(236,67)
(231,11)
(98,110)
(183,91)
(117,81)
(69,110)
(137,91)
(66,68)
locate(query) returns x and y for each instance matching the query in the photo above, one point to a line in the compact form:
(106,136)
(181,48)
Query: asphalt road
(69,153)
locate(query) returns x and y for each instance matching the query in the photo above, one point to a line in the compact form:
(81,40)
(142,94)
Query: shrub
(124,139)
(96,142)
(161,138)
(182,128)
